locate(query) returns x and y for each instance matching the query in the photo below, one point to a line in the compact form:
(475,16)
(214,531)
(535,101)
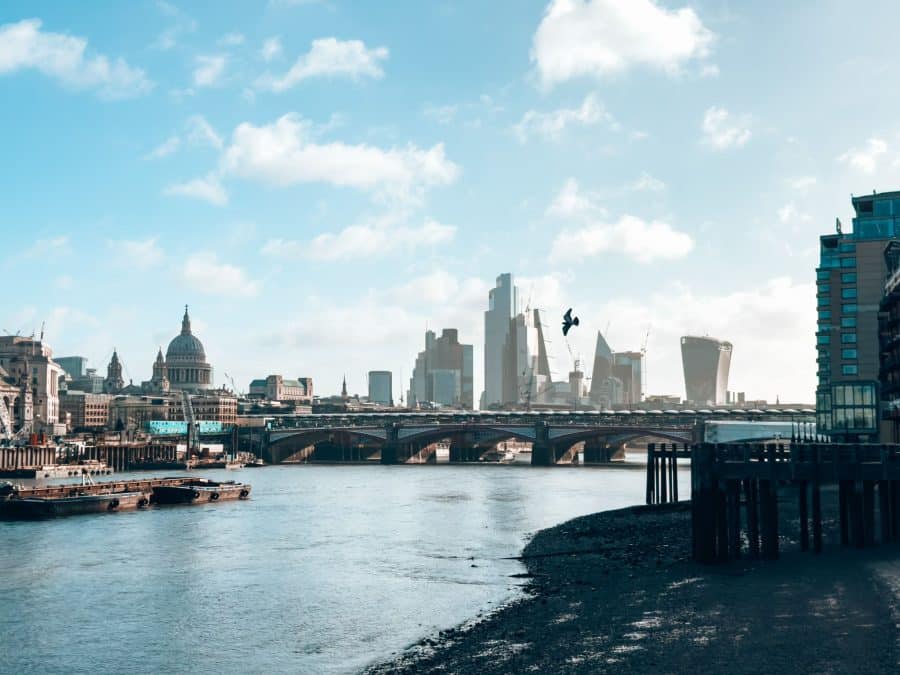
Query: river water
(324,570)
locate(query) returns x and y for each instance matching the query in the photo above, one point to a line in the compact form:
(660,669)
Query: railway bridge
(554,438)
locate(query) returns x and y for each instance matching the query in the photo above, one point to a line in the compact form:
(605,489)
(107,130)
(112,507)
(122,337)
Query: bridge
(554,437)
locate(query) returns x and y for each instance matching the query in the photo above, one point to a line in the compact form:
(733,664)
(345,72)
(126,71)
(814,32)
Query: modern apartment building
(443,372)
(850,285)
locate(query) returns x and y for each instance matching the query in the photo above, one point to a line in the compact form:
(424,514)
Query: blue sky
(321,180)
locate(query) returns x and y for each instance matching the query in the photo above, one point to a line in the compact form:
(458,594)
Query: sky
(321,181)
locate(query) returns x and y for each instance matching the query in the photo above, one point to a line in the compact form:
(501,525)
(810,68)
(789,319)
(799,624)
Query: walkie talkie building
(706,362)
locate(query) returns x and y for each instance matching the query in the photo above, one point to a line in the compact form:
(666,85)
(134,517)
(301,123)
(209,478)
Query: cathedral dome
(185,366)
(186,346)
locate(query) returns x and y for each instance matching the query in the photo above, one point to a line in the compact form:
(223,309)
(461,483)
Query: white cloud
(802,183)
(164,149)
(362,241)
(181,24)
(231,40)
(270,49)
(208,70)
(208,189)
(51,247)
(570,202)
(283,153)
(442,114)
(204,273)
(636,238)
(552,124)
(789,214)
(136,254)
(600,38)
(330,57)
(200,132)
(647,183)
(24,45)
(865,160)
(722,131)
(709,70)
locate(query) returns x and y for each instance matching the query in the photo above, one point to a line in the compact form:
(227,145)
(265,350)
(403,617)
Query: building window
(849,353)
(823,339)
(848,338)
(848,322)
(848,293)
(848,277)
(848,262)
(823,275)
(824,314)
(824,301)
(847,247)
(849,309)
(824,289)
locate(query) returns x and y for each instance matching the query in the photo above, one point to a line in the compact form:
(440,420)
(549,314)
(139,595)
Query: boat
(50,507)
(234,465)
(254,463)
(200,490)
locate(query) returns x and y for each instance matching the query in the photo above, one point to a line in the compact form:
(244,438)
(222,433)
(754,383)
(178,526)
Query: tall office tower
(706,362)
(629,368)
(75,366)
(850,284)
(601,393)
(381,388)
(526,366)
(443,372)
(502,307)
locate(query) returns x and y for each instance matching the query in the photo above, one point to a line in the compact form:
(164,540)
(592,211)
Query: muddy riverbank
(617,592)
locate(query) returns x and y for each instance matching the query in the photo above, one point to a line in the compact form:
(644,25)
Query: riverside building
(850,285)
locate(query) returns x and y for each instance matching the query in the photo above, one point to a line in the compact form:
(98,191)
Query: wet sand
(617,592)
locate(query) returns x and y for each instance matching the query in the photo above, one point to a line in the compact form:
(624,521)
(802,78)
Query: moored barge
(199,490)
(51,507)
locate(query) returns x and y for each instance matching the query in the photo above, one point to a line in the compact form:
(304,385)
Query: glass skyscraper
(849,288)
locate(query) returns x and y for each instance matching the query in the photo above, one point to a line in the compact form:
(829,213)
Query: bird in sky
(568,321)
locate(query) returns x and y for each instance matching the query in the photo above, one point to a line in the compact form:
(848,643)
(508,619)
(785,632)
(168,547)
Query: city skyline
(698,216)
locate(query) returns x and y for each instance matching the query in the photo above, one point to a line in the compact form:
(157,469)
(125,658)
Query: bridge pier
(543,454)
(597,451)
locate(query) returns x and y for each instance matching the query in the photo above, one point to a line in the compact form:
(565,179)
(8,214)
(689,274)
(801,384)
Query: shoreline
(616,591)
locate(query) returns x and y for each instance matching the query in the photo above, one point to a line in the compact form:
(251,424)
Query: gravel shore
(617,592)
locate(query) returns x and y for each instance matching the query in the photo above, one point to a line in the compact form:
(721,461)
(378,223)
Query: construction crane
(234,388)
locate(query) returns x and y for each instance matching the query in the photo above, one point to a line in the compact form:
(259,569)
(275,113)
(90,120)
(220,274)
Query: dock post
(869,511)
(734,517)
(816,502)
(663,492)
(804,516)
(651,447)
(844,508)
(752,517)
(675,471)
(703,481)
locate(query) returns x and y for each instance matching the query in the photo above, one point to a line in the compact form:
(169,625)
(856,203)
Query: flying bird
(568,321)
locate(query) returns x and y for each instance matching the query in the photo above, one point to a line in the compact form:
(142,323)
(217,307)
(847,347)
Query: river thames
(324,569)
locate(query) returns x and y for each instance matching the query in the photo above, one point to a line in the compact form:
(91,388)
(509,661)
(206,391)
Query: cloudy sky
(321,180)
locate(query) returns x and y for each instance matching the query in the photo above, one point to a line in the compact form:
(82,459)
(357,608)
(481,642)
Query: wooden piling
(651,449)
(804,515)
(817,501)
(663,491)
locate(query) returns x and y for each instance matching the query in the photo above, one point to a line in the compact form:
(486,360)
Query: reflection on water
(325,569)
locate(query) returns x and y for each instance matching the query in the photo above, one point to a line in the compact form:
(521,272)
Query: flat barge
(17,502)
(200,490)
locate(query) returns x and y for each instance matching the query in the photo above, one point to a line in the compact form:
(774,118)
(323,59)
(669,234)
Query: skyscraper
(443,372)
(502,307)
(629,368)
(526,366)
(381,388)
(606,389)
(706,363)
(850,283)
